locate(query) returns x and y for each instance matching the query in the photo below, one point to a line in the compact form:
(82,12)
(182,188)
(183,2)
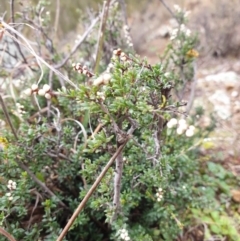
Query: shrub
(128,113)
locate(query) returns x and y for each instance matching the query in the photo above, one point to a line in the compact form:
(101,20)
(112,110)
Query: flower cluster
(173,122)
(124,234)
(103,79)
(182,127)
(101,95)
(19,111)
(82,69)
(159,194)
(181,30)
(45,91)
(127,35)
(11,186)
(178,10)
(122,56)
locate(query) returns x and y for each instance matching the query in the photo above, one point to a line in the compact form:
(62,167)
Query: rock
(221,103)
(229,80)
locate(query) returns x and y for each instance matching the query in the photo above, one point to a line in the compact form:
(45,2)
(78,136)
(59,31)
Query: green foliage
(164,184)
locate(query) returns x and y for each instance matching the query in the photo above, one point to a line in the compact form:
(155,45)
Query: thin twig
(98,128)
(21,164)
(7,235)
(7,117)
(91,190)
(119,171)
(16,42)
(169,10)
(38,58)
(57,17)
(117,184)
(101,34)
(75,48)
(41,184)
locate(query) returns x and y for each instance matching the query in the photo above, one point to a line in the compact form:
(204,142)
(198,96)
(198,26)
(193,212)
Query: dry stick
(21,164)
(38,58)
(100,125)
(16,43)
(7,235)
(101,34)
(117,184)
(84,36)
(57,18)
(119,171)
(91,190)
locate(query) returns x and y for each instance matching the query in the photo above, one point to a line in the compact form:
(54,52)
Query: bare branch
(8,117)
(57,17)
(91,190)
(169,9)
(101,34)
(75,48)
(16,42)
(7,235)
(119,171)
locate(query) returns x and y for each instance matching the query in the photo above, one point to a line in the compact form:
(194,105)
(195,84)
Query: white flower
(34,87)
(188,32)
(159,194)
(182,125)
(173,122)
(46,87)
(234,93)
(106,78)
(10,182)
(177,8)
(124,234)
(180,131)
(189,132)
(98,81)
(41,92)
(126,28)
(48,96)
(167,74)
(123,58)
(10,198)
(11,185)
(174,34)
(191,127)
(28,92)
(8,194)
